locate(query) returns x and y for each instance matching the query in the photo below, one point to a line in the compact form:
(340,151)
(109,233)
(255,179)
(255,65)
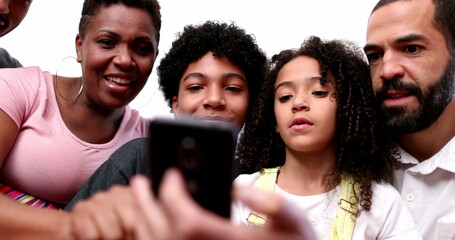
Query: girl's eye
(284,98)
(320,93)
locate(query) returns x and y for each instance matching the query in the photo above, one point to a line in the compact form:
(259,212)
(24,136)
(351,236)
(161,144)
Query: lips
(298,122)
(395,94)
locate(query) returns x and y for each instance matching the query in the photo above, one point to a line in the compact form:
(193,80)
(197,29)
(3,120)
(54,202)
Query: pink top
(47,160)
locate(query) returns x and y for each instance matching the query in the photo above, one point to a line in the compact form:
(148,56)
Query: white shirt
(387,219)
(428,189)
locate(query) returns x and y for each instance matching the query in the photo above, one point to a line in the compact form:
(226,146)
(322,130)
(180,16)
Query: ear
(175,106)
(79,48)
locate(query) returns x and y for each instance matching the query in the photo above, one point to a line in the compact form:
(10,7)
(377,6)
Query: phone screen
(203,152)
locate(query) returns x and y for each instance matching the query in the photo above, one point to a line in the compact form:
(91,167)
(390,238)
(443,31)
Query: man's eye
(373,57)
(412,49)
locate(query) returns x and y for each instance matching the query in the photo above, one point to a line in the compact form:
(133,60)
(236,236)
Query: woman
(56,131)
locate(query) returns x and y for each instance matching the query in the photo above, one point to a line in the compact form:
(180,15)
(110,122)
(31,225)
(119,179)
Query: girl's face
(305,108)
(117,54)
(212,89)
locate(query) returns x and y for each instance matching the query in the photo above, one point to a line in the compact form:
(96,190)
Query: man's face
(411,67)
(12,12)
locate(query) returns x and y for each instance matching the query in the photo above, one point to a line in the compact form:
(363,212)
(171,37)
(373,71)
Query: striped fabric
(25,198)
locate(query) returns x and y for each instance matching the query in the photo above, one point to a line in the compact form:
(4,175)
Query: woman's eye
(144,49)
(106,43)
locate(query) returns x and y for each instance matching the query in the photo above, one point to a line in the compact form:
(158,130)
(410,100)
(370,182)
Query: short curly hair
(227,40)
(91,8)
(363,150)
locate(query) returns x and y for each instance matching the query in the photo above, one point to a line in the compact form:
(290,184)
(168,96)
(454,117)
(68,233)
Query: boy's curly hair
(224,40)
(363,150)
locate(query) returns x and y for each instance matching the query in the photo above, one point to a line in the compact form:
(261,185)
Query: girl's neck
(308,173)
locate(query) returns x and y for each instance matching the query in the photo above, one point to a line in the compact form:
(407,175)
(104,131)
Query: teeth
(119,80)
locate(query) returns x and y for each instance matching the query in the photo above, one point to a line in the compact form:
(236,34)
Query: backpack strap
(266,182)
(344,222)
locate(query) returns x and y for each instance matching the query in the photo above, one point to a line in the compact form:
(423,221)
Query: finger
(150,210)
(281,214)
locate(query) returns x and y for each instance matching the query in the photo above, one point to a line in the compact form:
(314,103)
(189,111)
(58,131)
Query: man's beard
(433,101)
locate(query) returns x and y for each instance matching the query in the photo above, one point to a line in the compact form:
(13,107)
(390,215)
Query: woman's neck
(308,173)
(91,125)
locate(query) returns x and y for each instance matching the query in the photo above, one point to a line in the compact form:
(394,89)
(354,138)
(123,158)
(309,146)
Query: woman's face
(117,53)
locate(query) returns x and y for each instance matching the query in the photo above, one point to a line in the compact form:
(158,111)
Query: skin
(101,55)
(12,12)
(117,54)
(404,46)
(213,89)
(310,146)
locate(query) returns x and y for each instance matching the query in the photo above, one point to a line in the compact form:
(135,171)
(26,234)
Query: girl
(319,145)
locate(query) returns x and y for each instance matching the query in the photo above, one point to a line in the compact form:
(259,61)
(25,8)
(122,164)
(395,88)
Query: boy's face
(12,12)
(212,89)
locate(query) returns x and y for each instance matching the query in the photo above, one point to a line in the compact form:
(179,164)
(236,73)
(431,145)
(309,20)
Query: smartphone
(203,152)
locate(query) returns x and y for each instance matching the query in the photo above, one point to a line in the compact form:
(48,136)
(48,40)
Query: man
(410,46)
(12,12)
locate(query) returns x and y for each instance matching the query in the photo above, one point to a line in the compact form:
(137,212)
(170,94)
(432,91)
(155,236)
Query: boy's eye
(194,88)
(233,89)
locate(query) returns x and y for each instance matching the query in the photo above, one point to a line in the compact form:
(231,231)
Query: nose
(391,68)
(4,6)
(123,58)
(214,98)
(300,104)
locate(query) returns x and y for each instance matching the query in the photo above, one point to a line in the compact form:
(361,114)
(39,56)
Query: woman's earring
(69,71)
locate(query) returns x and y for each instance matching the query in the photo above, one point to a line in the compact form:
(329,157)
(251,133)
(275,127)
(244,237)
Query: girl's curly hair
(363,150)
(224,40)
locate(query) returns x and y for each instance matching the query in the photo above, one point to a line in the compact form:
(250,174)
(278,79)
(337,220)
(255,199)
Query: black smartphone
(202,151)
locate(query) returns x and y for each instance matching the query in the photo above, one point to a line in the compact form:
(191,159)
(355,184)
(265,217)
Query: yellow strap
(266,182)
(344,222)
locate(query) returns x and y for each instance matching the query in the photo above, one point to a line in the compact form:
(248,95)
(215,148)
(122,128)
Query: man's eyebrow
(407,38)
